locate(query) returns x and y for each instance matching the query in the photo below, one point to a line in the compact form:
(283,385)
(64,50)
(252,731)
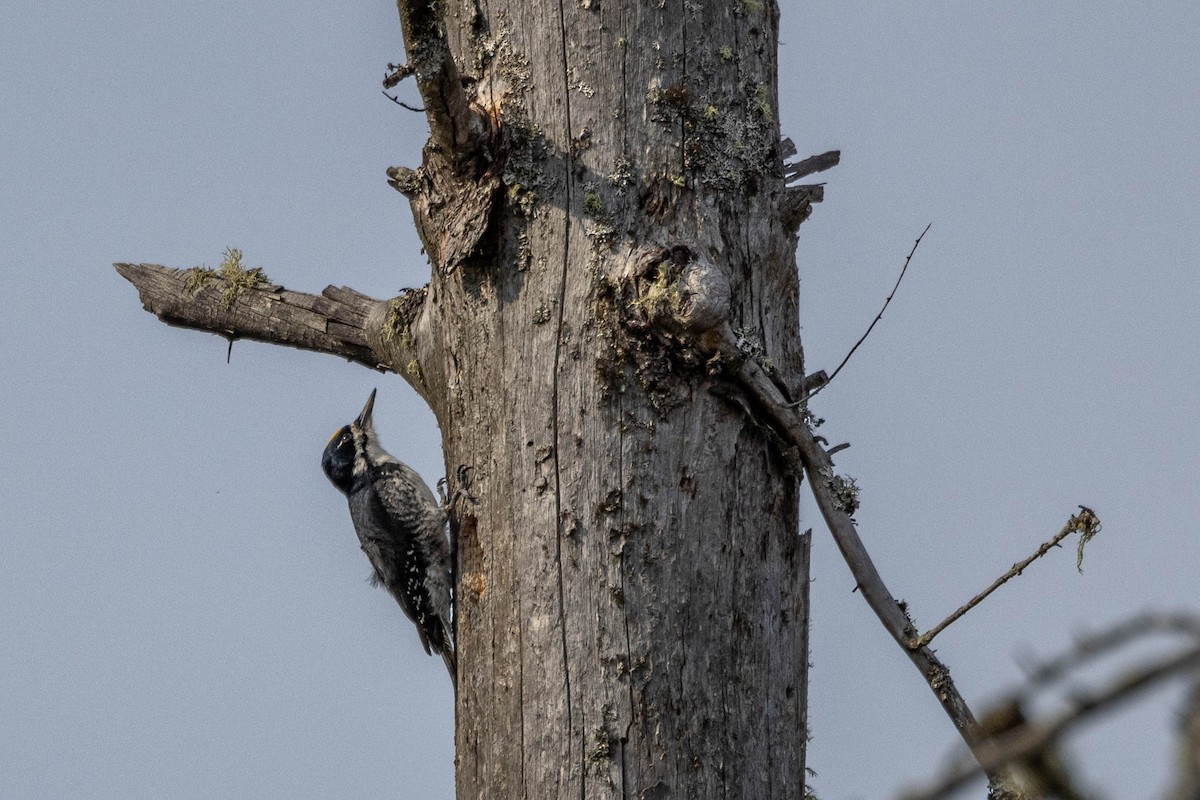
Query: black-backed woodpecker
(401,528)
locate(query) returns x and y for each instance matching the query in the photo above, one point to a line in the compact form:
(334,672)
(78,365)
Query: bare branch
(397,73)
(878,316)
(339,321)
(796,205)
(395,99)
(821,480)
(1086,523)
(1033,737)
(1091,647)
(810,165)
(807,193)
(455,131)
(812,381)
(1187,783)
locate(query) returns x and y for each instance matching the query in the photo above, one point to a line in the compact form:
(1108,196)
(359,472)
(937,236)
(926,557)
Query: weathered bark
(333,322)
(610,340)
(630,612)
(603,186)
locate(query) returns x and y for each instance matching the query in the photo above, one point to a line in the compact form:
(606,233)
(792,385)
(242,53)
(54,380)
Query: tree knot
(674,290)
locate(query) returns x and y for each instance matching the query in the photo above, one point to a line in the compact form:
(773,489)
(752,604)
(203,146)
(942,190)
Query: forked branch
(822,481)
(1085,523)
(696,301)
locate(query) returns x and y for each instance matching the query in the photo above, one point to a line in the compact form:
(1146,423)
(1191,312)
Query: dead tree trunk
(602,190)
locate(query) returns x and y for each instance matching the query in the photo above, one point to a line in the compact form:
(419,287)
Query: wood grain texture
(632,589)
(331,322)
(632,620)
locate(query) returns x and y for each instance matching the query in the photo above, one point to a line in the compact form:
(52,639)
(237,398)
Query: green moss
(761,98)
(523,174)
(662,296)
(729,140)
(393,325)
(636,351)
(198,278)
(601,234)
(593,203)
(845,493)
(507,72)
(236,277)
(406,181)
(726,53)
(599,228)
(602,746)
(497,52)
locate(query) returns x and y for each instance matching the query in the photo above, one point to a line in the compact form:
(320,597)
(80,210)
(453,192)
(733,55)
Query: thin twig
(1084,522)
(402,104)
(1094,646)
(878,316)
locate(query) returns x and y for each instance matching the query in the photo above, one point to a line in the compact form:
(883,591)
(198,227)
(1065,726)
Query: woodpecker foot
(462,477)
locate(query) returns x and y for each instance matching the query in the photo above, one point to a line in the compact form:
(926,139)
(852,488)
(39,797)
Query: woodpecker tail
(451,662)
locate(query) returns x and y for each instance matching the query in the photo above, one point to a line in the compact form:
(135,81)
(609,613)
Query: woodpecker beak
(365,417)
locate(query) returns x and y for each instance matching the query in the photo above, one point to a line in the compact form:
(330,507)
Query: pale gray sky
(187,613)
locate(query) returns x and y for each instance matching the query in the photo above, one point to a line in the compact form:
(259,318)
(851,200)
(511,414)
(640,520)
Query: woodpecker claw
(463,474)
(462,477)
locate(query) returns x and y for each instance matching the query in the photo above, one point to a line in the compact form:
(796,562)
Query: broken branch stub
(455,191)
(378,334)
(455,129)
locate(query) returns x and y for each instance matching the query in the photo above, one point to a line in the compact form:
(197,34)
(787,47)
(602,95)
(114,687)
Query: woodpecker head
(345,456)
